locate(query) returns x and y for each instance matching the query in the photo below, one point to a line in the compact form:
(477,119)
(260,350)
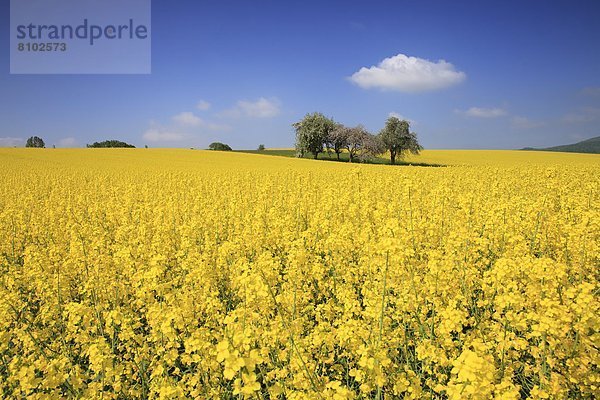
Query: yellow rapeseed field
(142,273)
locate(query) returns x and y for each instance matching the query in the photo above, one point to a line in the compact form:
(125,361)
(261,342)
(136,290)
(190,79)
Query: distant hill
(586,146)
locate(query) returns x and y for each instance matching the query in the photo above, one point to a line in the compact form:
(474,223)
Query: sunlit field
(459,157)
(149,273)
(504,158)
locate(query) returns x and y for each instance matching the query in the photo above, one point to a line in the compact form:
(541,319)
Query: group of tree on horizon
(316,133)
(110,144)
(37,142)
(219,146)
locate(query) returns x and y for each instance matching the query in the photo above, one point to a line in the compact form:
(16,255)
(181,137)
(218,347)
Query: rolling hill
(585,146)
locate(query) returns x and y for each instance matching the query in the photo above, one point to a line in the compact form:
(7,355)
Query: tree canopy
(337,140)
(398,139)
(110,144)
(312,132)
(316,131)
(35,141)
(219,146)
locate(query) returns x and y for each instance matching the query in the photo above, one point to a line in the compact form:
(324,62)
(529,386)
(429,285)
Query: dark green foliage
(261,147)
(219,146)
(110,144)
(398,139)
(35,141)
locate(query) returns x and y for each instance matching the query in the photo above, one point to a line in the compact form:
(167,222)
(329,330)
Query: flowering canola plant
(189,274)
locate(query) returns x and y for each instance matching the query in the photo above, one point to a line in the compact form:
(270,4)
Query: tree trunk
(337,153)
(316,155)
(392,157)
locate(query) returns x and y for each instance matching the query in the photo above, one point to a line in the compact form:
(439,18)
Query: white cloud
(67,142)
(203,105)
(162,135)
(11,141)
(525,123)
(187,119)
(185,126)
(408,74)
(478,112)
(261,108)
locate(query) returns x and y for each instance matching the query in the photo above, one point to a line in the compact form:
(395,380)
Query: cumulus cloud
(184,126)
(478,112)
(525,123)
(187,118)
(11,141)
(162,135)
(203,105)
(261,108)
(408,74)
(67,142)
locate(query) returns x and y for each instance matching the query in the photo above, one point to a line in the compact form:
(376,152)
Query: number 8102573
(42,47)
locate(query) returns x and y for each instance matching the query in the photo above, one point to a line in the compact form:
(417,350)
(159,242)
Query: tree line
(110,144)
(316,133)
(35,141)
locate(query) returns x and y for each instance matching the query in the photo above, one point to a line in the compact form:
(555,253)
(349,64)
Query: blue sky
(467,74)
